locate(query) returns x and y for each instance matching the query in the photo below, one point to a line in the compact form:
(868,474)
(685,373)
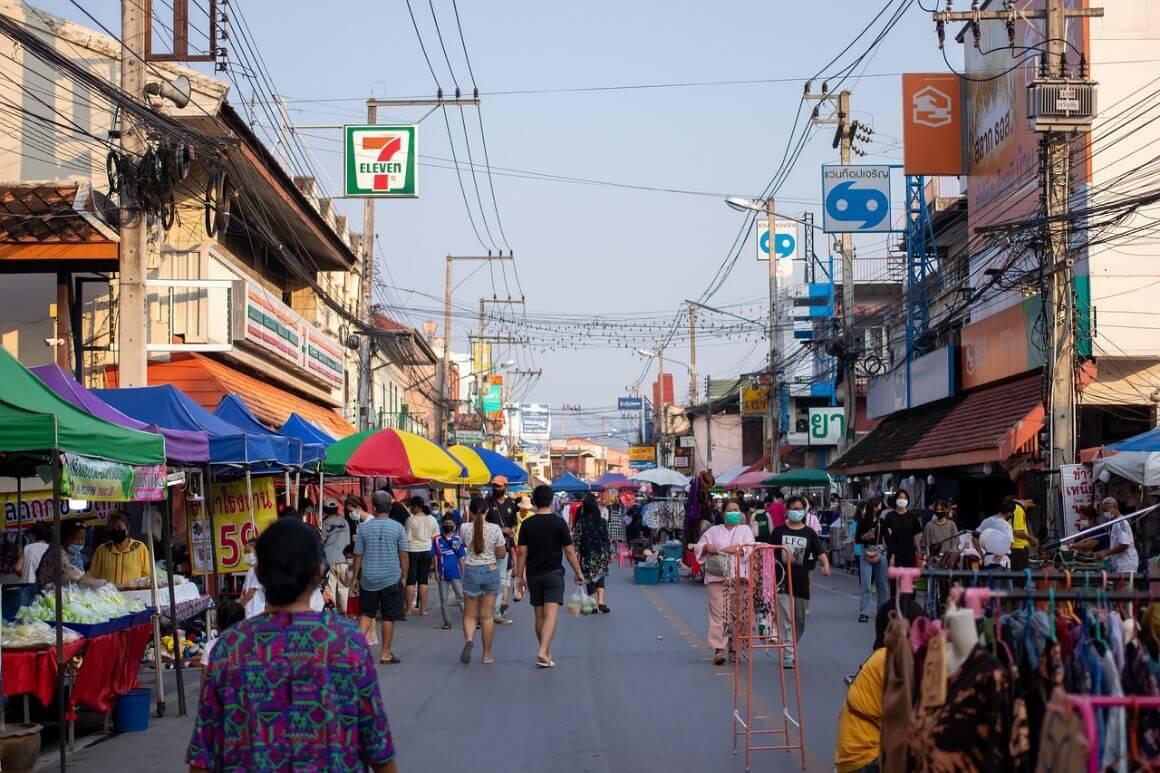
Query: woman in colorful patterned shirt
(293,688)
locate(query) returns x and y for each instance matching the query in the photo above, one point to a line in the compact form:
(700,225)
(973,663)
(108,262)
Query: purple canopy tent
(180,445)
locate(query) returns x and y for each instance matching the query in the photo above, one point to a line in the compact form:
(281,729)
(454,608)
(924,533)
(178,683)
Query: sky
(581,249)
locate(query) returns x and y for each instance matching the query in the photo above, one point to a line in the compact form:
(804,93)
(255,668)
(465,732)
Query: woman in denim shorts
(485,547)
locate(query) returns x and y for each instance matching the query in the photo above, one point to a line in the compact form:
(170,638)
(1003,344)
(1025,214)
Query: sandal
(487,661)
(545,664)
(604,608)
(720,659)
(465,655)
(392,660)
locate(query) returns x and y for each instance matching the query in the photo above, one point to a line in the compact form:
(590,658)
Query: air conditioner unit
(1061,105)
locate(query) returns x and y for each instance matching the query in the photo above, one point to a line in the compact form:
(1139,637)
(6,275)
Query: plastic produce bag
(588,605)
(575,604)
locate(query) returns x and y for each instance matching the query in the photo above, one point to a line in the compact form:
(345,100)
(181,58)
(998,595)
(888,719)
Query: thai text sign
(100,480)
(36,506)
(1076,489)
(642,457)
(231,517)
(827,426)
(380,161)
(754,400)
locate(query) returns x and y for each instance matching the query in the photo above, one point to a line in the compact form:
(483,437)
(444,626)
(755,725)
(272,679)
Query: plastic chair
(670,570)
(623,555)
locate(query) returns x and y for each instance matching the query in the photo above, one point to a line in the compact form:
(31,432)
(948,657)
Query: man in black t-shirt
(503,511)
(805,548)
(544,542)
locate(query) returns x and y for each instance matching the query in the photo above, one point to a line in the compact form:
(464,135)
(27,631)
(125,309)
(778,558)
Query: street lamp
(744,204)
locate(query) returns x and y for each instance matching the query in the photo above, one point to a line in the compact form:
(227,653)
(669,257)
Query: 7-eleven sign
(380,161)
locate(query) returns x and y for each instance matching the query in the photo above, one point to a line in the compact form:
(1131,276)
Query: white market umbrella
(1141,467)
(661,476)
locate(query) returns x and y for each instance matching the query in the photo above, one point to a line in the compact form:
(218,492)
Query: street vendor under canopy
(120,559)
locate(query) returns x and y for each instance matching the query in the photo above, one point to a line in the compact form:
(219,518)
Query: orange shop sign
(1002,345)
(932,124)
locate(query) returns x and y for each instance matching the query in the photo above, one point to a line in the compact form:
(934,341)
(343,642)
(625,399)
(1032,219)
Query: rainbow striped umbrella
(482,465)
(395,454)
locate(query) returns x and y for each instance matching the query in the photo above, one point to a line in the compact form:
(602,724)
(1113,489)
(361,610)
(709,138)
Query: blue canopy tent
(234,410)
(1146,441)
(167,406)
(569,483)
(306,431)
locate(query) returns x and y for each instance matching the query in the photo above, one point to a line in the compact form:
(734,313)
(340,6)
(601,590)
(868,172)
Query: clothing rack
(1085,705)
(977,598)
(906,576)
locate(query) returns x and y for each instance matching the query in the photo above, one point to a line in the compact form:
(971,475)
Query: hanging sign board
(855,199)
(380,161)
(754,400)
(932,124)
(231,517)
(101,480)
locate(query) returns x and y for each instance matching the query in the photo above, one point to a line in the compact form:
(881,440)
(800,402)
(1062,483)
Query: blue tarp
(234,410)
(498,464)
(306,431)
(1148,441)
(569,482)
(168,406)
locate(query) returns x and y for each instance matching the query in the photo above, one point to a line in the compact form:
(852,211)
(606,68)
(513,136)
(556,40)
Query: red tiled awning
(986,425)
(206,381)
(55,220)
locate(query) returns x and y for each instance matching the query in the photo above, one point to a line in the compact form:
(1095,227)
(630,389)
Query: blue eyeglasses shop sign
(856,199)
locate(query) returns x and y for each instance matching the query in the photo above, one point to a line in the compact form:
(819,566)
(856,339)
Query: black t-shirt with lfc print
(804,546)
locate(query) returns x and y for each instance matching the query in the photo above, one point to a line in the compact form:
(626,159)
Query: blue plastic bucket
(131,714)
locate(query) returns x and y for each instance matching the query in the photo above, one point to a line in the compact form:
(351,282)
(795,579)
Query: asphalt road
(632,690)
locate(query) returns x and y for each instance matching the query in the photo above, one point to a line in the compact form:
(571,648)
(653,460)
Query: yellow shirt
(121,564)
(1019,523)
(859,731)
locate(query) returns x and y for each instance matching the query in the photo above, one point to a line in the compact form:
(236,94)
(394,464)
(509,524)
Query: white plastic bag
(575,603)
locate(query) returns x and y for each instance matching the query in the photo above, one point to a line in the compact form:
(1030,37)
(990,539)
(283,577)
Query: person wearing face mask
(902,530)
(72,558)
(121,559)
(805,549)
(715,551)
(503,511)
(871,557)
(1121,552)
(449,554)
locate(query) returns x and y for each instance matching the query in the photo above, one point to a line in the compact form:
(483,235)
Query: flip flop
(719,660)
(465,654)
(542,664)
(486,661)
(446,626)
(390,661)
(604,608)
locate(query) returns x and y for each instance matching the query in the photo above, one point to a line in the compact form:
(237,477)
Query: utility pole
(133,358)
(365,294)
(773,398)
(660,407)
(844,142)
(708,426)
(366,289)
(1056,122)
(692,353)
(445,399)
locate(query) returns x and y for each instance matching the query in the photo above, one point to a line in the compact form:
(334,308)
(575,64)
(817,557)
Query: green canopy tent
(803,478)
(87,458)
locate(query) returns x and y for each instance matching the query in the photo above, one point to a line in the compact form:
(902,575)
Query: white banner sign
(1076,490)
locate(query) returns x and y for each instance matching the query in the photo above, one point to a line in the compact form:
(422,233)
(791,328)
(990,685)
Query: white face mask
(250,559)
(901,502)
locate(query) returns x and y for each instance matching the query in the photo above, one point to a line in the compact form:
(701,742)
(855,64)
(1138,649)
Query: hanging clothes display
(1052,679)
(667,514)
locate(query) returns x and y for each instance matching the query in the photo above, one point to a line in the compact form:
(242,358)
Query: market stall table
(33,671)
